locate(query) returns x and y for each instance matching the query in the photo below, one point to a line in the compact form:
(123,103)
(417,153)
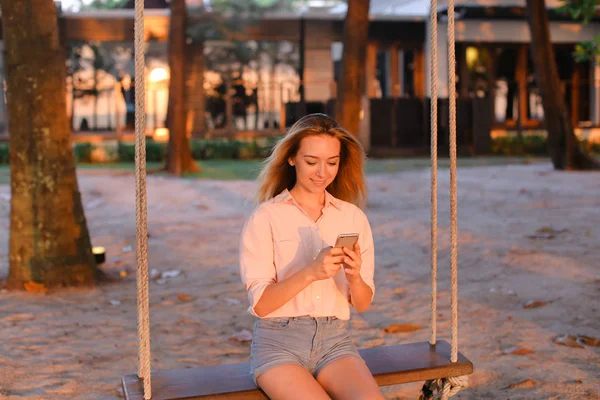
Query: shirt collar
(286,196)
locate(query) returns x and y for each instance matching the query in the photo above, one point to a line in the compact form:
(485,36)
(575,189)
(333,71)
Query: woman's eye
(311,163)
(332,164)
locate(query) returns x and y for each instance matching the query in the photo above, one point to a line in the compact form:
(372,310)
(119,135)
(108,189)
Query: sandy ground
(527,233)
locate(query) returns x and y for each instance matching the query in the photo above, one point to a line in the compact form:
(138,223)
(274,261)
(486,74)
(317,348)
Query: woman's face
(317,162)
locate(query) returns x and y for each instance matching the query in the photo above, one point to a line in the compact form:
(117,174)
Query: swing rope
(141,211)
(445,387)
(434,166)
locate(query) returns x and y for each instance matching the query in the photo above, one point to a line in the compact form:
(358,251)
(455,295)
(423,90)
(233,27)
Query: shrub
(126,152)
(155,152)
(219,148)
(83,152)
(4,155)
(592,147)
(520,145)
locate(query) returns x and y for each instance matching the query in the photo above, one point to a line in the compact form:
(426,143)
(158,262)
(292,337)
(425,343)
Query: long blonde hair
(277,174)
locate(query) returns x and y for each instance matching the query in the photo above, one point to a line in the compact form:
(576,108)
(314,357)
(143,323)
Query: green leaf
(575,13)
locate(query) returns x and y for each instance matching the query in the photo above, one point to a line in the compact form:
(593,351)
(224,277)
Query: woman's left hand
(352,263)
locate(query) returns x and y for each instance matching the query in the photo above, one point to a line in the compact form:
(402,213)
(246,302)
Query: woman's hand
(327,264)
(352,262)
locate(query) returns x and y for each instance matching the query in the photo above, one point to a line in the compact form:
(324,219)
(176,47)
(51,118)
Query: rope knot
(443,389)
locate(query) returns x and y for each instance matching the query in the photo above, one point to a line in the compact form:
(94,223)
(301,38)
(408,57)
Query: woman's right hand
(327,264)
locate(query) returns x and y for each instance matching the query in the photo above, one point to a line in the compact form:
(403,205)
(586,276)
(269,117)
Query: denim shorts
(311,342)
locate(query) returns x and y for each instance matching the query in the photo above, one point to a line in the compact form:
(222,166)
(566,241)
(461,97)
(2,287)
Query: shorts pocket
(340,323)
(274,323)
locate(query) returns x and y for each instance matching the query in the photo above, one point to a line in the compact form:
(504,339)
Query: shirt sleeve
(257,268)
(367,251)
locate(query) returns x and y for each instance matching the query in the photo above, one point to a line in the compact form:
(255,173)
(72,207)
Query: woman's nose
(321,170)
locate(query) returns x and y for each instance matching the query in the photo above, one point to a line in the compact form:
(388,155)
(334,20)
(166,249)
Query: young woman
(300,287)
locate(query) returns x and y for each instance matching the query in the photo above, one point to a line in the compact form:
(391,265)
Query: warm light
(98,250)
(161,134)
(99,253)
(472,56)
(158,74)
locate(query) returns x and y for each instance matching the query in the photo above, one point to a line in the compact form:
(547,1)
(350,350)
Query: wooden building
(492,47)
(494,59)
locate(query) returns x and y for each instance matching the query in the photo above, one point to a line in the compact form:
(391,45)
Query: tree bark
(49,239)
(179,157)
(351,86)
(565,149)
(196,100)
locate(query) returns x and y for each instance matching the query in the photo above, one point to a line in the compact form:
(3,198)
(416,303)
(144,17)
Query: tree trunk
(49,240)
(565,149)
(72,116)
(179,157)
(352,81)
(196,100)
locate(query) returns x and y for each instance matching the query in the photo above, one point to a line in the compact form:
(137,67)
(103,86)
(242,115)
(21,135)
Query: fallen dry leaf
(526,384)
(534,304)
(34,287)
(568,340)
(402,328)
(589,341)
(547,232)
(184,297)
(517,351)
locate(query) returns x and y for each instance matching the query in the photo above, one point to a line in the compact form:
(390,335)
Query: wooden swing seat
(390,365)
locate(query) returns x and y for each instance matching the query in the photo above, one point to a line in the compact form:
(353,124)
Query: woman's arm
(326,265)
(359,266)
(277,294)
(361,294)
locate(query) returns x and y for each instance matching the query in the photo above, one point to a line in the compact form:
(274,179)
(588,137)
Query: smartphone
(346,240)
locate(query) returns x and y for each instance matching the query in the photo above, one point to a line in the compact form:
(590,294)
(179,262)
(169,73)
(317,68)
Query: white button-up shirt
(279,239)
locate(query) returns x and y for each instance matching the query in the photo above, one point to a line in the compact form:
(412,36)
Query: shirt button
(315,228)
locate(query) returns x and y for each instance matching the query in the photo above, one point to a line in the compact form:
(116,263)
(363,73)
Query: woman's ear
(291,161)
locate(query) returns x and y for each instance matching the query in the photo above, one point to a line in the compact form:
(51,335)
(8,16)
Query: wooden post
(595,91)
(575,82)
(463,71)
(371,70)
(491,75)
(394,72)
(521,76)
(401,77)
(419,77)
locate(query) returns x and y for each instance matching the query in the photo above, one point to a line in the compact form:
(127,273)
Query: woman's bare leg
(348,378)
(290,382)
